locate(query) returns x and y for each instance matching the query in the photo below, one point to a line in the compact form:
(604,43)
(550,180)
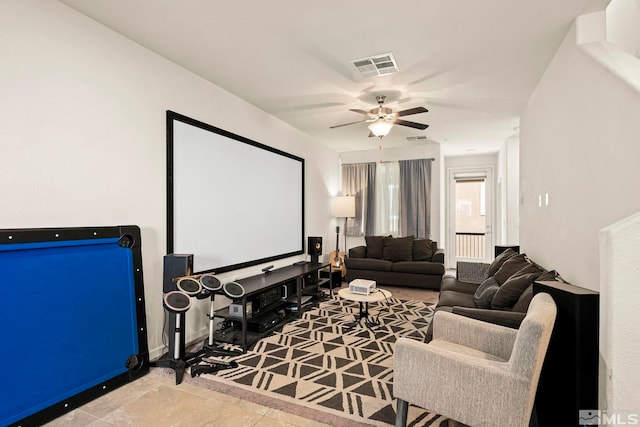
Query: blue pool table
(73,318)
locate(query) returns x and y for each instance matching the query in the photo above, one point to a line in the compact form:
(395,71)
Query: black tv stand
(301,279)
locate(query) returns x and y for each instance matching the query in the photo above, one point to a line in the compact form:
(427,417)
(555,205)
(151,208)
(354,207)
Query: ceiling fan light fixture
(380,128)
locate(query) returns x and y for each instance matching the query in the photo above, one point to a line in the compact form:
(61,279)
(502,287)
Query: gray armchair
(474,372)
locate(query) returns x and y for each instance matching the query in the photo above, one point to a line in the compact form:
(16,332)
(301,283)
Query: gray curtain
(359,180)
(415,198)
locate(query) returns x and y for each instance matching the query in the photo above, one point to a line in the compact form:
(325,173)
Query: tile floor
(155,400)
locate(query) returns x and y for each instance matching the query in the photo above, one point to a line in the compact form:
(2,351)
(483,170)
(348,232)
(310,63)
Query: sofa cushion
(422,250)
(510,267)
(375,245)
(453,298)
(450,283)
(369,264)
(398,248)
(509,319)
(418,267)
(499,260)
(485,292)
(511,290)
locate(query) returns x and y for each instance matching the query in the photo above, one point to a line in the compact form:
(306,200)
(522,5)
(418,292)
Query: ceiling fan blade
(416,110)
(410,124)
(357,110)
(347,124)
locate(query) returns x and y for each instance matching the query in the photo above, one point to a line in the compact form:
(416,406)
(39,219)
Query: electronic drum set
(177,303)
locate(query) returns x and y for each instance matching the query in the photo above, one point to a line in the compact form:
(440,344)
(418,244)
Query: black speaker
(314,245)
(569,378)
(175,265)
(499,249)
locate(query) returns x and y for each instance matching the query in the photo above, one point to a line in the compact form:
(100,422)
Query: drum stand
(231,290)
(176,358)
(176,303)
(210,348)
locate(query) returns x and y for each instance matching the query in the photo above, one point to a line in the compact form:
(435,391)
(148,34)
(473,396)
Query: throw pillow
(358,252)
(375,245)
(499,260)
(422,250)
(509,293)
(398,248)
(485,292)
(510,267)
(548,276)
(522,305)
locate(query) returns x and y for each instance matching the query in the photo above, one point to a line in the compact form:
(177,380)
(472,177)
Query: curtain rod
(387,161)
(391,161)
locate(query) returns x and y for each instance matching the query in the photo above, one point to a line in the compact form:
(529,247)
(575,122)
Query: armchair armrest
(438,256)
(486,337)
(510,319)
(420,371)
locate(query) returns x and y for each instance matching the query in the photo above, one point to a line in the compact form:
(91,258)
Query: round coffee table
(376,296)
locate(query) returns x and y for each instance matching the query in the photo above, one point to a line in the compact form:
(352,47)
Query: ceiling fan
(382,119)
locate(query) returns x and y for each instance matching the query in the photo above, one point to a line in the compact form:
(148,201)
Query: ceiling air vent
(416,138)
(379,65)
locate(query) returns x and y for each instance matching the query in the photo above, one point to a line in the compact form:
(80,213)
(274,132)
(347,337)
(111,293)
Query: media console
(271,299)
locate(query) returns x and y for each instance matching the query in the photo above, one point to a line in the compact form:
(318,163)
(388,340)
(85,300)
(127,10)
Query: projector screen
(231,202)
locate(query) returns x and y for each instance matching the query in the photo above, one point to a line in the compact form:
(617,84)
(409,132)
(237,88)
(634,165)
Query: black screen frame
(171,118)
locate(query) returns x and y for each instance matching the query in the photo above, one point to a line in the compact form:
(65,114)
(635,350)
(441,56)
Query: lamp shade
(380,128)
(344,206)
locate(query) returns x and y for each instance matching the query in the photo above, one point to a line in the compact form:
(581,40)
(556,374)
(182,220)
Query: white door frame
(486,172)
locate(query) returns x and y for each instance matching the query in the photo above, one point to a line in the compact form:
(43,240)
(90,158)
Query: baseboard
(190,340)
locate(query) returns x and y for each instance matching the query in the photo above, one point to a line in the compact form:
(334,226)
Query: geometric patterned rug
(319,362)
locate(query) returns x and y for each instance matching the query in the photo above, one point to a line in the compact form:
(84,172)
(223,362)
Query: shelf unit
(267,289)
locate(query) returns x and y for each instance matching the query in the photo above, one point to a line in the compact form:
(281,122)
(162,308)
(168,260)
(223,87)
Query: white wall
(623,25)
(619,300)
(509,191)
(82,136)
(579,143)
(406,153)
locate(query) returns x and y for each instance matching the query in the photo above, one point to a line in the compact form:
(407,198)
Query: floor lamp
(344,207)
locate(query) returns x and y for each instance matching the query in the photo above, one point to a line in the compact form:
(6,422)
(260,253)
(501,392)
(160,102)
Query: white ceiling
(473,64)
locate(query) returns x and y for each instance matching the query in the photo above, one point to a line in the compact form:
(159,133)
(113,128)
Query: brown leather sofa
(397,261)
(498,293)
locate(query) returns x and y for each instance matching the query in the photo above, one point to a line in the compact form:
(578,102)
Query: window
(391,198)
(387,199)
